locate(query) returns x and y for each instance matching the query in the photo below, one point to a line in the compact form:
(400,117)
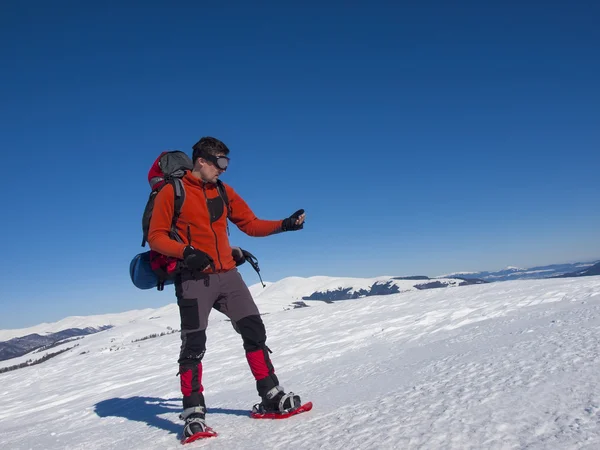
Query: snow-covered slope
(275,297)
(497,366)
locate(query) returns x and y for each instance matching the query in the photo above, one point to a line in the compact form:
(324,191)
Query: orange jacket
(202,202)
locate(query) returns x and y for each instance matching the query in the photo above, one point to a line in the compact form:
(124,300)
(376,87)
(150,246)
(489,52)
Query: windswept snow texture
(492,366)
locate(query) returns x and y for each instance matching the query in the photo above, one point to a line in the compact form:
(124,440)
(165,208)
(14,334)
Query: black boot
(277,401)
(194,421)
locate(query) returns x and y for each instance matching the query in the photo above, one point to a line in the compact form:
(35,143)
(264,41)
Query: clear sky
(420,138)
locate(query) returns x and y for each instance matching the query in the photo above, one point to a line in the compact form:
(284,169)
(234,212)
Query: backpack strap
(146,217)
(223,194)
(179,193)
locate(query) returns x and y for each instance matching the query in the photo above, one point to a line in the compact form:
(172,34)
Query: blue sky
(420,138)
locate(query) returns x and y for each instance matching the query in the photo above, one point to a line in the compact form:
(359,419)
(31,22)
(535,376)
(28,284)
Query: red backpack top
(169,167)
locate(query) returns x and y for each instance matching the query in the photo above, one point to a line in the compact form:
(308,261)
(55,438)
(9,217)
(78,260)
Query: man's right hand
(241,256)
(238,255)
(197,259)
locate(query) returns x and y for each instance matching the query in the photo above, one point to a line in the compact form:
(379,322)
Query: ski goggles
(220,161)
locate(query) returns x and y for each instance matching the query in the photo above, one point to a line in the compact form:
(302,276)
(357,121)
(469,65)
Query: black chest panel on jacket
(215,208)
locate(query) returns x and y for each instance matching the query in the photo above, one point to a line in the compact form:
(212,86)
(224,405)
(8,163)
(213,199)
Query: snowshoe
(277,404)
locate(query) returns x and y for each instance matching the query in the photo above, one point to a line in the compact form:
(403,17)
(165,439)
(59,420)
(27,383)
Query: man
(209,277)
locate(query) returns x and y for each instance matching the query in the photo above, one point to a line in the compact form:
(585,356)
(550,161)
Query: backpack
(152,269)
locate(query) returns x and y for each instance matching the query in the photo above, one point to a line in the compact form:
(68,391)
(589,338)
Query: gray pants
(228,294)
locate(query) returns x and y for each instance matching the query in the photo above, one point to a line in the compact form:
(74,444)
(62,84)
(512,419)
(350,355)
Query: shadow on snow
(148,409)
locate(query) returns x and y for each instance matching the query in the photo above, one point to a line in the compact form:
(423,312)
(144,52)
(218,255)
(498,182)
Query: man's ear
(199,163)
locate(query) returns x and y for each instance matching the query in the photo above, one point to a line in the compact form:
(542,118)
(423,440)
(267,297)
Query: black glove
(238,256)
(289,224)
(197,259)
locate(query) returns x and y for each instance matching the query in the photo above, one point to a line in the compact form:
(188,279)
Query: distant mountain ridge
(588,272)
(387,288)
(20,346)
(517,273)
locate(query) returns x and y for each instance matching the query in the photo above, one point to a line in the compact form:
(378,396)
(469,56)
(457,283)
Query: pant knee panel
(253,332)
(193,347)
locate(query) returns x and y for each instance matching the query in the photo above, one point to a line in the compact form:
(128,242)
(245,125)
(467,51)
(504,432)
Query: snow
(495,366)
(274,297)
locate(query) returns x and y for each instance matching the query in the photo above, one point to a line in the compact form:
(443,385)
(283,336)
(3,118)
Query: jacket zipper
(211,227)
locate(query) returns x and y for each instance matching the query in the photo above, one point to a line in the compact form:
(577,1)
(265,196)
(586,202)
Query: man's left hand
(294,222)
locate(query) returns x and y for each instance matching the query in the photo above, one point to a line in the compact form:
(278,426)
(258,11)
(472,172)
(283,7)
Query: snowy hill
(275,297)
(294,289)
(285,294)
(498,366)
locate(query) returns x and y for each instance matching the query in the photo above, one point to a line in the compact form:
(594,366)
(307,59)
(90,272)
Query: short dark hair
(208,145)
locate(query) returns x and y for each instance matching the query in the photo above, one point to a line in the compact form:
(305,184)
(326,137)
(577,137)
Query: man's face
(211,167)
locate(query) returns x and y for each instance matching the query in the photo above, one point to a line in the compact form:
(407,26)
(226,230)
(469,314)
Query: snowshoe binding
(195,425)
(276,404)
